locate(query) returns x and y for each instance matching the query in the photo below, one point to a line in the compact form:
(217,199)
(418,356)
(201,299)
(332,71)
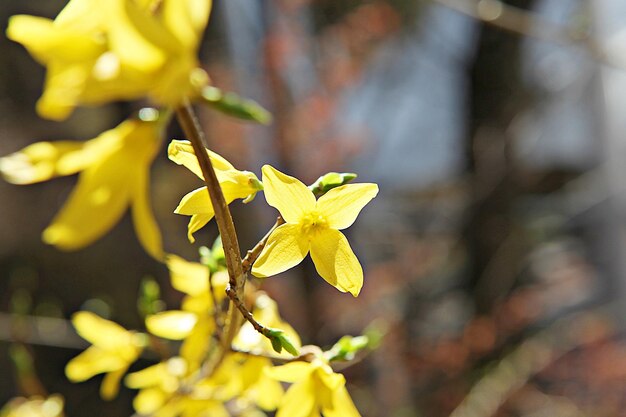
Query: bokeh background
(495,253)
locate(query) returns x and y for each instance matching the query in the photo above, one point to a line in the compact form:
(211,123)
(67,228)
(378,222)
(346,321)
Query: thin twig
(253,254)
(307,356)
(521,22)
(217,311)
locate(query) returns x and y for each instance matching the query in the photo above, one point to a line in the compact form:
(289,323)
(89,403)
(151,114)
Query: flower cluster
(99,52)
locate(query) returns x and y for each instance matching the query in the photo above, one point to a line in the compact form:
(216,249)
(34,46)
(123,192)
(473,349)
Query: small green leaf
(347,347)
(235,106)
(280,340)
(276,344)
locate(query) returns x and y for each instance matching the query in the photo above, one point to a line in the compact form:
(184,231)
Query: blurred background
(494,255)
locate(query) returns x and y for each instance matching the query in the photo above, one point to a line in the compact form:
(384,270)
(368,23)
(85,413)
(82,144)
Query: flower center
(313,222)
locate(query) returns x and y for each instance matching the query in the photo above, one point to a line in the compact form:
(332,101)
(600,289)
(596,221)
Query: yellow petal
(291,372)
(285,248)
(268,393)
(148,377)
(299,400)
(186,19)
(196,345)
(341,206)
(197,222)
(42,161)
(189,277)
(146,227)
(100,332)
(46,41)
(181,152)
(95,205)
(198,201)
(111,384)
(64,86)
(149,400)
(342,405)
(80,15)
(287,194)
(336,262)
(173,325)
(129,29)
(92,361)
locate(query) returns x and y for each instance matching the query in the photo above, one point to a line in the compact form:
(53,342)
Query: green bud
(331,180)
(280,340)
(235,106)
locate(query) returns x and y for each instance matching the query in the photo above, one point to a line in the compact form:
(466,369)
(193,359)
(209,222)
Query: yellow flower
(34,407)
(113,350)
(194,323)
(313,226)
(235,184)
(96,52)
(316,388)
(166,392)
(114,174)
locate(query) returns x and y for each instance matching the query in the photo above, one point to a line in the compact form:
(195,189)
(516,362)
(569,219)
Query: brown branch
(521,22)
(191,127)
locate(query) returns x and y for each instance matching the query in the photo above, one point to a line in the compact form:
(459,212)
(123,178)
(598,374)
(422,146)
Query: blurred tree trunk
(497,95)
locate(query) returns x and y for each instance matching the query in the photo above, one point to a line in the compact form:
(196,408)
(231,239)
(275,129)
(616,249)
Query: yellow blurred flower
(167,391)
(193,324)
(114,174)
(197,204)
(96,52)
(315,388)
(313,226)
(265,311)
(113,350)
(35,406)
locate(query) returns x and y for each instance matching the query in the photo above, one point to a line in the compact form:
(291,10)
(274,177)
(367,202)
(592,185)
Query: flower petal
(146,227)
(111,383)
(95,205)
(173,325)
(149,400)
(42,161)
(189,277)
(285,248)
(186,19)
(341,206)
(197,222)
(299,400)
(92,361)
(342,405)
(287,194)
(101,332)
(47,41)
(291,372)
(336,262)
(181,152)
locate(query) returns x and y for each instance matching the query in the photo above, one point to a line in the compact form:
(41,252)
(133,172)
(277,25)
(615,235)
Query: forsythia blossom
(197,204)
(194,323)
(114,174)
(101,51)
(313,226)
(35,406)
(113,350)
(316,388)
